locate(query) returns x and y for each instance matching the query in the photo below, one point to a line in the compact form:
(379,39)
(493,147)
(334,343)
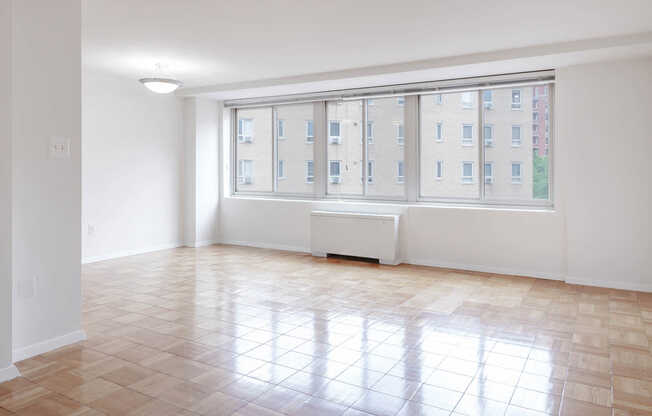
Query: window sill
(421,203)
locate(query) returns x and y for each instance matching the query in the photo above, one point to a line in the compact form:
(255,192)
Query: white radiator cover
(355,234)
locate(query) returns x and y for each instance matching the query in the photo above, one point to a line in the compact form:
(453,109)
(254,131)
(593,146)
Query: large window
(345,148)
(273,159)
(254,150)
(483,145)
(387,148)
(520,168)
(455,161)
(294,146)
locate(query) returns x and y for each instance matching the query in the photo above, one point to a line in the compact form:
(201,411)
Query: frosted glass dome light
(161,85)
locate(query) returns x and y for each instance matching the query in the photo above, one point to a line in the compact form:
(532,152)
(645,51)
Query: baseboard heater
(355,234)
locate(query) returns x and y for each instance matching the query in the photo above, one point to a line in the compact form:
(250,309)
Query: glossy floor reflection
(228,330)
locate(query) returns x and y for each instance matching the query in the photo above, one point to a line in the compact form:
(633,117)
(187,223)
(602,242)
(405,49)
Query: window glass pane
(487,99)
(370,131)
(488,134)
(519,159)
(400,174)
(516,99)
(387,148)
(488,172)
(254,150)
(310,131)
(444,162)
(467,99)
(344,151)
(293,148)
(310,171)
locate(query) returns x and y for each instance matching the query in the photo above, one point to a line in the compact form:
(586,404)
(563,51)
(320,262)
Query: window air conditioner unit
(488,106)
(246,139)
(246,180)
(488,180)
(335,179)
(334,140)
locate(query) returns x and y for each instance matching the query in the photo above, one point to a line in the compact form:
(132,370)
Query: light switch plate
(59,148)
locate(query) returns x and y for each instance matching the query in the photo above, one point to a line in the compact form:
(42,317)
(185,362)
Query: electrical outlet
(59,148)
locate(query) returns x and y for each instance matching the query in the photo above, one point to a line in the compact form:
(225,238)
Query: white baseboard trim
(126,253)
(24,353)
(611,284)
(266,245)
(485,269)
(204,243)
(417,262)
(9,373)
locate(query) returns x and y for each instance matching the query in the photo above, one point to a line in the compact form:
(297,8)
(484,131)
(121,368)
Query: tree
(540,188)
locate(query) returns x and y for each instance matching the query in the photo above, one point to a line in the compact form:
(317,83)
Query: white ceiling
(217,42)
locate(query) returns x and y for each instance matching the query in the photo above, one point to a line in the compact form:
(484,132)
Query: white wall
(132,168)
(604,120)
(46,193)
(206,191)
(598,234)
(201,119)
(501,241)
(5,183)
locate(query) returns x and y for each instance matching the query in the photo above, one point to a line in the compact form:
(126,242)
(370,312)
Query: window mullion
(481,145)
(364,148)
(275,148)
(234,147)
(412,146)
(320,154)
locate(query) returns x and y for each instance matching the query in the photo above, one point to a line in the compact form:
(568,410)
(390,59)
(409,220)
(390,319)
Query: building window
(489,172)
(334,132)
(535,152)
(371,168)
(245,130)
(439,132)
(281,169)
(535,116)
(310,171)
(245,172)
(370,132)
(467,172)
(438,99)
(487,99)
(400,174)
(334,171)
(400,135)
(439,169)
(467,100)
(488,135)
(400,101)
(516,136)
(281,129)
(310,131)
(467,134)
(516,99)
(516,172)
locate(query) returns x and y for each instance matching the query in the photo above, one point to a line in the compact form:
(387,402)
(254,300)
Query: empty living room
(325,208)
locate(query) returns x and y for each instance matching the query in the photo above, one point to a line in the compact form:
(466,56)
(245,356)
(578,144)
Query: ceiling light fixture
(160,84)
